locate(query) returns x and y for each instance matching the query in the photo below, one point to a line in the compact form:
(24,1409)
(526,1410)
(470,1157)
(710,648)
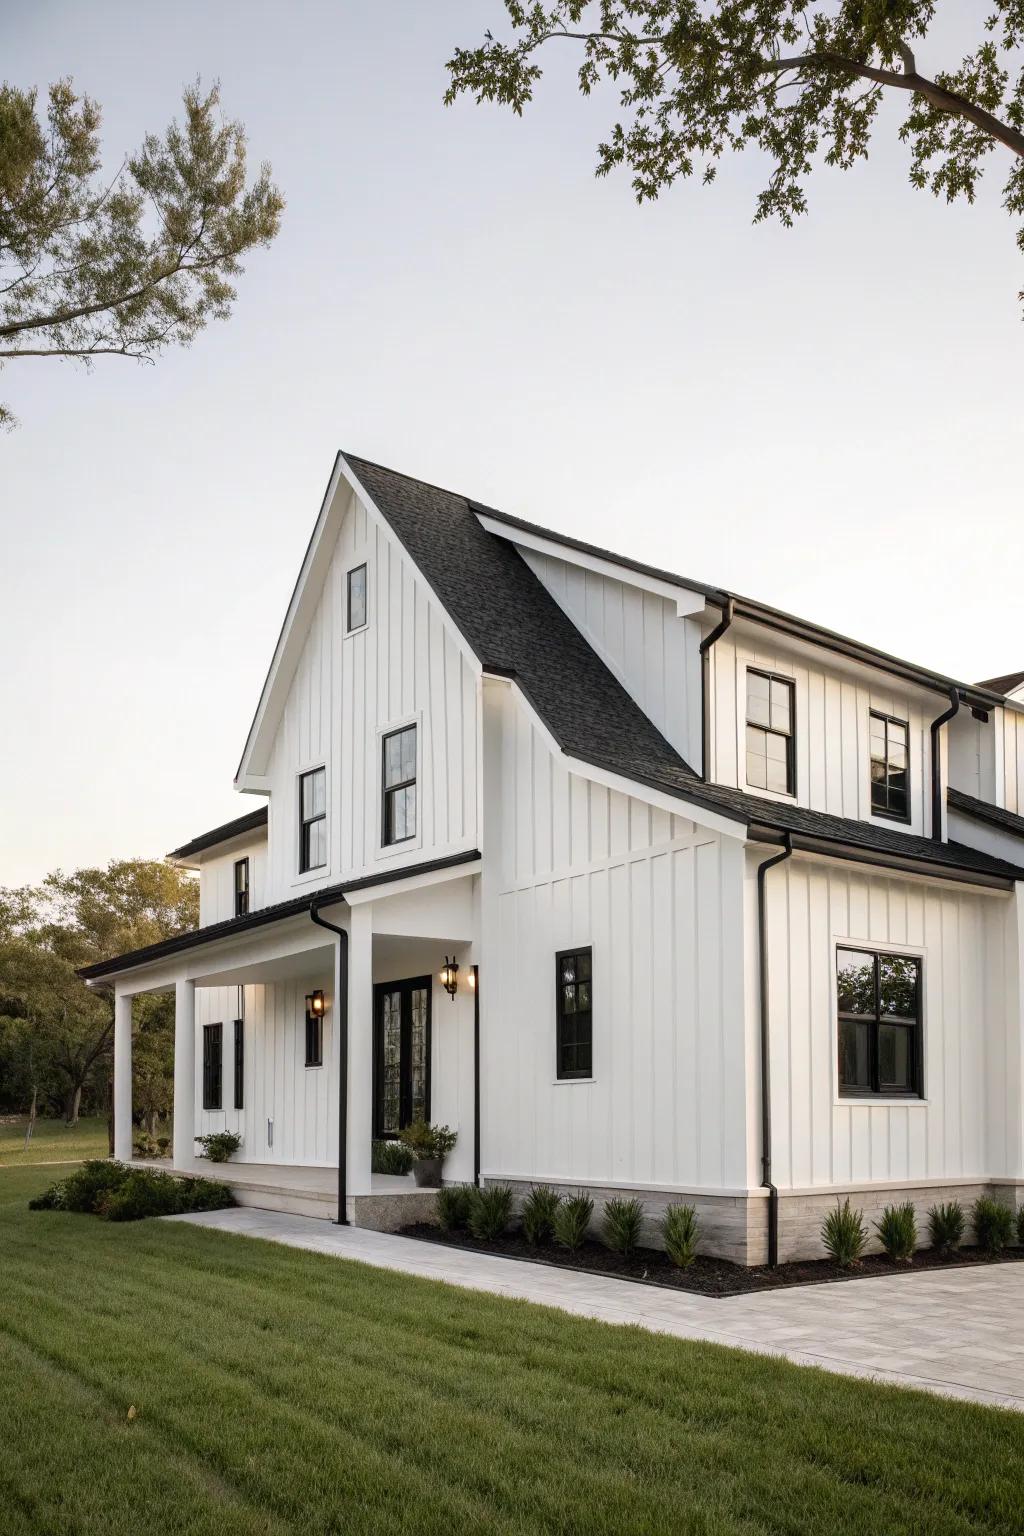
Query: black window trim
(789,792)
(876,1093)
(578,1076)
(305,867)
(350,628)
(391,789)
(239,1083)
(901,816)
(242,896)
(213,1035)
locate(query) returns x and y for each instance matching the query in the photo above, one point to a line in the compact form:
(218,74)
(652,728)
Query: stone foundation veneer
(735,1226)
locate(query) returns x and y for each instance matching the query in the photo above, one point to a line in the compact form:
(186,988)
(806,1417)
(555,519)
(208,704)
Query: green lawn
(52,1141)
(279,1391)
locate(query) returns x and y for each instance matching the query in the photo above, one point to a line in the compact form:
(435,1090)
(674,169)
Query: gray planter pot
(427,1172)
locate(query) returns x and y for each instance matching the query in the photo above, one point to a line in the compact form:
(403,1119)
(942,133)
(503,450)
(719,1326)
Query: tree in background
(802,82)
(125,264)
(56,1035)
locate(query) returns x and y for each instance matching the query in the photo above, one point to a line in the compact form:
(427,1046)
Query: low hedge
(118,1192)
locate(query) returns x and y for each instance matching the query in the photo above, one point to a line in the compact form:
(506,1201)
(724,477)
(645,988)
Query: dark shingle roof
(516,628)
(981,810)
(1004,684)
(250,822)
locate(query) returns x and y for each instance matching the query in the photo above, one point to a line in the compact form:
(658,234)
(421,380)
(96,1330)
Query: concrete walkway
(958,1332)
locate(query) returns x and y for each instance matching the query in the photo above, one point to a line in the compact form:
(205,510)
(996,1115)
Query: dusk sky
(827,418)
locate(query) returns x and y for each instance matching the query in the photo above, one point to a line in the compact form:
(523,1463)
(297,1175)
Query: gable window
(398,813)
(890,771)
(574,1032)
(239,1063)
(355,598)
(313,819)
(770,719)
(213,1052)
(241,887)
(879,1005)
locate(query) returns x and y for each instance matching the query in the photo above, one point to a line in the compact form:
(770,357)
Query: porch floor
(952,1333)
(311,1191)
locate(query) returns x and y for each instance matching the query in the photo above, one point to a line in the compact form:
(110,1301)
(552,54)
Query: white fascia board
(676,805)
(687,602)
(414,882)
(289,642)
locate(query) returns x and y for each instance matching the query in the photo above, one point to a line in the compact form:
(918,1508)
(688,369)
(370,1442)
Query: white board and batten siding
(967,1124)
(570,862)
(406,666)
(217,881)
(1013,759)
(832,729)
(653,652)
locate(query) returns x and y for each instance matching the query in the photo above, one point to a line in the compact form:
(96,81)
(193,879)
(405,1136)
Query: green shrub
(143,1193)
(946,1226)
(204,1195)
(219,1146)
(679,1233)
(621,1225)
(538,1214)
(572,1220)
(844,1234)
(490,1210)
(898,1232)
(425,1140)
(1020,1226)
(52,1199)
(121,1193)
(89,1184)
(993,1224)
(391,1157)
(454,1203)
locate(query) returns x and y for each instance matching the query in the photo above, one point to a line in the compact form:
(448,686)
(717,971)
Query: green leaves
(799,80)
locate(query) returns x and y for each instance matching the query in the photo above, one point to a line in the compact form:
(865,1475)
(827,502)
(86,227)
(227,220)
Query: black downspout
(766,1082)
(341,1008)
(476,1075)
(705,646)
(937,724)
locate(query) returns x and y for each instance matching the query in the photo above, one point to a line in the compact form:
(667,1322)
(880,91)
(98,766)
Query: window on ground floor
(213,1052)
(573,1004)
(879,1007)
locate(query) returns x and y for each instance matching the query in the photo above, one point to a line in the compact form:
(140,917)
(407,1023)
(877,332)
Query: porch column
(122,1075)
(360,1048)
(184,1073)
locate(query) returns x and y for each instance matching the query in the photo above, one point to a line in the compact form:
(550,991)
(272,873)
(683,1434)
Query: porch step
(295,1202)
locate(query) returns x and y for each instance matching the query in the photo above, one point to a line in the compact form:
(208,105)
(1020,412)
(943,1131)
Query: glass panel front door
(401,1054)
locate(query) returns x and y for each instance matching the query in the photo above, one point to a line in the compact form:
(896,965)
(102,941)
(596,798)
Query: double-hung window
(355,598)
(890,774)
(241,887)
(771,762)
(398,811)
(213,1054)
(574,1034)
(313,819)
(879,1006)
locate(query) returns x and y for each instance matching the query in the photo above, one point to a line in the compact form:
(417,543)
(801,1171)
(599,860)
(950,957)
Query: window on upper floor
(890,769)
(355,598)
(574,1036)
(398,811)
(313,819)
(879,1007)
(241,887)
(771,762)
(213,1054)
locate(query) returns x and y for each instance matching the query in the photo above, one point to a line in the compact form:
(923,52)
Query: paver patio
(958,1332)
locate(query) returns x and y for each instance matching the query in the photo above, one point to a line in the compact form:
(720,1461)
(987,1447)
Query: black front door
(401,1054)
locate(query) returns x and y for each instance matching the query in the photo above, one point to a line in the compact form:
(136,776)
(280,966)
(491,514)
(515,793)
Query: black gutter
(341,1010)
(476,1075)
(252,821)
(705,664)
(936,727)
(766,1086)
(912,864)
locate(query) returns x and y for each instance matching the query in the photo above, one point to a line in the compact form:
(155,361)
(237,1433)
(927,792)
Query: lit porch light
(450,976)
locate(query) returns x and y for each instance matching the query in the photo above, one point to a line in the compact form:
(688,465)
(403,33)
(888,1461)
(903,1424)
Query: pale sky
(827,418)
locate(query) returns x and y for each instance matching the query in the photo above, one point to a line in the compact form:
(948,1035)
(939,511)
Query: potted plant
(429,1145)
(219,1146)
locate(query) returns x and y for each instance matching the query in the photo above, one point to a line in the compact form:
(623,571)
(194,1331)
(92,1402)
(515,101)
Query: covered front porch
(314,1035)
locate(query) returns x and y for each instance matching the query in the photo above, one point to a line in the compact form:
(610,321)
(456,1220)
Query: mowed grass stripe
(333,1396)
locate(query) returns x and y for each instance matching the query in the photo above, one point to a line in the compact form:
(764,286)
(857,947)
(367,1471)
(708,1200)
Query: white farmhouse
(730,908)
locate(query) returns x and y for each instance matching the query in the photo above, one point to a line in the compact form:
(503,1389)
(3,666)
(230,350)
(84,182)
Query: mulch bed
(706,1276)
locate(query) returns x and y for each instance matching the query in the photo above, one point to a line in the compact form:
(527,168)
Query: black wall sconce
(450,977)
(315,1004)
